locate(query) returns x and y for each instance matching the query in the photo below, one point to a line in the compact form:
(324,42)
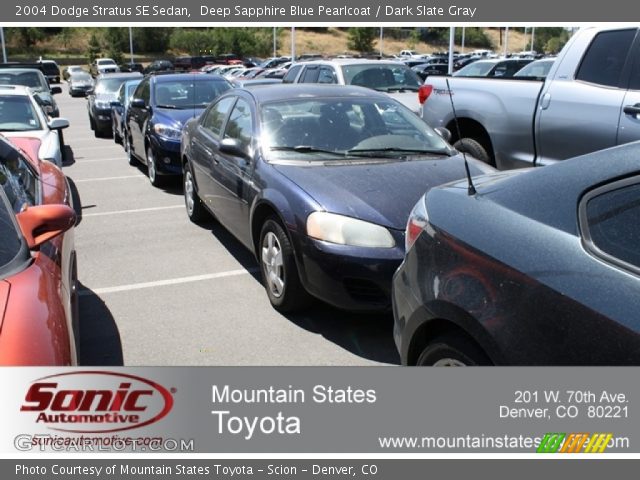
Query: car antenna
(471,189)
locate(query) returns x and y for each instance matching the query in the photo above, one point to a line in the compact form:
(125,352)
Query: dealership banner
(312,469)
(243,12)
(540,411)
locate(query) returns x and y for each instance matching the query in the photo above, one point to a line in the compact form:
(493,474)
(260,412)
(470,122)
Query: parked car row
(324,182)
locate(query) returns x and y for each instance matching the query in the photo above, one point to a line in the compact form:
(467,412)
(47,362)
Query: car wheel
(279,270)
(92,123)
(452,350)
(473,148)
(195,210)
(152,168)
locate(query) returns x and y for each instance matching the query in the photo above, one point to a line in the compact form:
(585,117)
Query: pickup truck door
(581,114)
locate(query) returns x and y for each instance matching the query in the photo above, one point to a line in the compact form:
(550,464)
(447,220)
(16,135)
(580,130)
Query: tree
(361,39)
(152,39)
(93,48)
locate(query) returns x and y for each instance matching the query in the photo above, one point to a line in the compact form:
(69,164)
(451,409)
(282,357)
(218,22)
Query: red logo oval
(132,402)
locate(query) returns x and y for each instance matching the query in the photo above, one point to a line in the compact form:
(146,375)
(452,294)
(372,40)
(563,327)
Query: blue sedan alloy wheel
(279,270)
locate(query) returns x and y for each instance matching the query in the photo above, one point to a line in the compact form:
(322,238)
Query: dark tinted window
(240,126)
(327,75)
(613,223)
(310,75)
(143,91)
(216,115)
(605,58)
(291,74)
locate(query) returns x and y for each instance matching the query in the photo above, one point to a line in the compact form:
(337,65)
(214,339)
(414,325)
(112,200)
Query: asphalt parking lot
(155,289)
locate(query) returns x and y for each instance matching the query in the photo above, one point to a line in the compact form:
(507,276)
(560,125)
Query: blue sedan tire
(279,270)
(452,350)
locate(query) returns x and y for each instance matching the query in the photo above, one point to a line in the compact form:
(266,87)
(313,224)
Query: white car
(101,66)
(22,116)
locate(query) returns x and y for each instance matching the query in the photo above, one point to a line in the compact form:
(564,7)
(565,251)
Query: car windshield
(109,85)
(106,61)
(333,129)
(182,94)
(383,77)
(476,69)
(538,69)
(11,242)
(32,79)
(17,114)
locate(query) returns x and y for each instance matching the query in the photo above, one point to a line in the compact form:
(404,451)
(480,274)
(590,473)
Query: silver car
(22,116)
(393,78)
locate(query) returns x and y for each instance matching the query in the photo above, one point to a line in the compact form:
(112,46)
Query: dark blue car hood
(176,118)
(382,193)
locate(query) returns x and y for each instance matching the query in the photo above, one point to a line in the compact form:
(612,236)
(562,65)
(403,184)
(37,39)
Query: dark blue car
(318,181)
(539,267)
(161,104)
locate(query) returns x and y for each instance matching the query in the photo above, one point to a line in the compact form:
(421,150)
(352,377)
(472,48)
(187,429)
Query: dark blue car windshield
(189,93)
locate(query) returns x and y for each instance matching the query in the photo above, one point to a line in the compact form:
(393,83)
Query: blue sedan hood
(382,193)
(176,118)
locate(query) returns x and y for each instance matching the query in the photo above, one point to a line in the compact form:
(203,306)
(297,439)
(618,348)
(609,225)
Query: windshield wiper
(307,149)
(172,107)
(402,89)
(373,152)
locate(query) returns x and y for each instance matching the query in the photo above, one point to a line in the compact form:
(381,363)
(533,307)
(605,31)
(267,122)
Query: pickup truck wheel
(473,148)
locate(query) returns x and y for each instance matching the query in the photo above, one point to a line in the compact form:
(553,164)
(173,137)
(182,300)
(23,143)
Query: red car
(38,298)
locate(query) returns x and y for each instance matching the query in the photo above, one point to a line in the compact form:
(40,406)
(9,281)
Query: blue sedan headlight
(167,132)
(343,230)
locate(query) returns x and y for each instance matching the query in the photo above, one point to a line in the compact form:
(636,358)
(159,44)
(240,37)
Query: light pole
(462,49)
(275,45)
(452,35)
(506,41)
(131,43)
(533,36)
(293,44)
(380,42)
(4,48)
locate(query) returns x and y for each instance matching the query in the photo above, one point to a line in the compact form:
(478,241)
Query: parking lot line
(135,210)
(101,179)
(108,159)
(171,281)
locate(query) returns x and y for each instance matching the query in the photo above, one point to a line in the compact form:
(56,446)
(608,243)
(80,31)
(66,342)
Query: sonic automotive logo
(117,402)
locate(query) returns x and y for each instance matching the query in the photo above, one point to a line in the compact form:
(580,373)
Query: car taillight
(423,93)
(418,219)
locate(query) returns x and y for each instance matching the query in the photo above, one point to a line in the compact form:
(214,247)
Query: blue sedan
(318,181)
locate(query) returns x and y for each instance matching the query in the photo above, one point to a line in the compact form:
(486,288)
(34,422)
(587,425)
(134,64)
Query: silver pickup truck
(590,100)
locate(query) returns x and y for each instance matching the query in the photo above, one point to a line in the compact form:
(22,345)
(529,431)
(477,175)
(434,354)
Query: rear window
(32,79)
(381,77)
(605,58)
(17,114)
(612,222)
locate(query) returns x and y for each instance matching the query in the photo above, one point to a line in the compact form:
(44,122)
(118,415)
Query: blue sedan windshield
(344,127)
